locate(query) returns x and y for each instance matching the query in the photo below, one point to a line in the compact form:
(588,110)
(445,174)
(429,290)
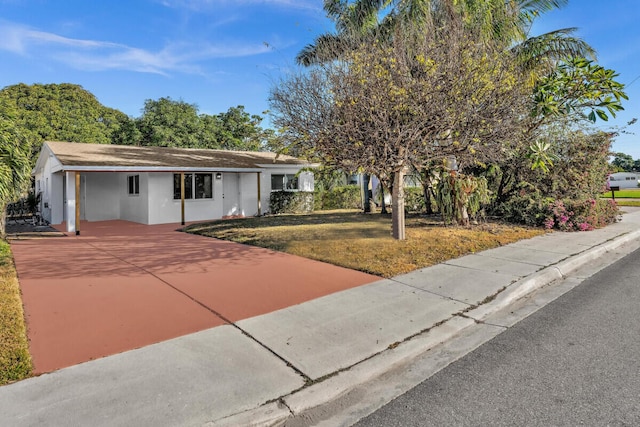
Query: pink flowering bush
(580,215)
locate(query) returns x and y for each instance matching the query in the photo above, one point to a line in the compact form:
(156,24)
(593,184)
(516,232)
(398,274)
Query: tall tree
(623,162)
(505,22)
(239,130)
(353,21)
(384,107)
(169,123)
(64,112)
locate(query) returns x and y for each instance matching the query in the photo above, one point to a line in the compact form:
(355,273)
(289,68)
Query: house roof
(81,156)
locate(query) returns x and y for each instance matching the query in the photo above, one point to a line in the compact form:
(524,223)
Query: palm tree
(507,22)
(352,20)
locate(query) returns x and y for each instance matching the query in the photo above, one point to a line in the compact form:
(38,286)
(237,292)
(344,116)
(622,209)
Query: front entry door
(231,194)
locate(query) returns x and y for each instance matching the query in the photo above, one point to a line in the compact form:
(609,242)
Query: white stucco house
(156,185)
(624,180)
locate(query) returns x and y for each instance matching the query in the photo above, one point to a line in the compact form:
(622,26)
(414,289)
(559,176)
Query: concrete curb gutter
(276,413)
(524,287)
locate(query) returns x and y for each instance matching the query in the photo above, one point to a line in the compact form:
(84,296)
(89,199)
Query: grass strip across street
(627,193)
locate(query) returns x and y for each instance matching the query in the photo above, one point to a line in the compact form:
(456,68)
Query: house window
(203,187)
(196,186)
(284,182)
(133,184)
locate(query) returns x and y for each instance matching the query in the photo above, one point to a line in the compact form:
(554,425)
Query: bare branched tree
(430,93)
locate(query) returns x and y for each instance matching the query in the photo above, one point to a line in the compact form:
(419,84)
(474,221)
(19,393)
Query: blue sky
(222,53)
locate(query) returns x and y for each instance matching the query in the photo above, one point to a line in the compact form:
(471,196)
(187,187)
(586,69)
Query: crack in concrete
(227,321)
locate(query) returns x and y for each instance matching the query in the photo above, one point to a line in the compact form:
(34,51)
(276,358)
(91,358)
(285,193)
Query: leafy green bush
(414,200)
(291,202)
(460,196)
(528,209)
(344,197)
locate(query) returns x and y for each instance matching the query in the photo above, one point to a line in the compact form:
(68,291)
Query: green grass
(15,360)
(627,202)
(363,242)
(627,193)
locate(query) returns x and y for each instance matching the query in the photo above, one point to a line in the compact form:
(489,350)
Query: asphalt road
(574,362)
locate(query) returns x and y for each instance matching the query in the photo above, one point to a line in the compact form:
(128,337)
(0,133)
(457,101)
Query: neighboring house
(156,185)
(623,180)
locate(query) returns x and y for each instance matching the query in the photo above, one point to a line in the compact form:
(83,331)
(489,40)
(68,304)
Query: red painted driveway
(122,285)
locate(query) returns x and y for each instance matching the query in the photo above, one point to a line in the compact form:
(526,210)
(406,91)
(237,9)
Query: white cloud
(100,55)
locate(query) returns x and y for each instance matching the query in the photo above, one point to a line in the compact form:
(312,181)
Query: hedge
(291,202)
(344,197)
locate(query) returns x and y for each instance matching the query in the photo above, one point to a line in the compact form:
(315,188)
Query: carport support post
(258,174)
(182,198)
(77,203)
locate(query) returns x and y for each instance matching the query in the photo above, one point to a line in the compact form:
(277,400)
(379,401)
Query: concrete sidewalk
(262,370)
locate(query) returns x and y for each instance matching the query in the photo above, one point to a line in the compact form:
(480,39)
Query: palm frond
(552,47)
(326,47)
(538,7)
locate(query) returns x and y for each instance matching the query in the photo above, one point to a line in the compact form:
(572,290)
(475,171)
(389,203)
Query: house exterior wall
(163,208)
(49,185)
(134,207)
(54,206)
(101,196)
(160,204)
(624,180)
(248,194)
(305,182)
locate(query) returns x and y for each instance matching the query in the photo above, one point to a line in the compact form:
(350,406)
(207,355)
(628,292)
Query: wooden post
(182,198)
(613,192)
(77,203)
(259,195)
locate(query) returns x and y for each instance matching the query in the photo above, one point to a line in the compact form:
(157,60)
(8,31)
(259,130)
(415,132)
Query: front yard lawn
(363,242)
(15,361)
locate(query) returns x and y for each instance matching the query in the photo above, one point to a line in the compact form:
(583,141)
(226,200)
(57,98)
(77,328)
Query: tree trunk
(366,178)
(3,221)
(384,210)
(397,203)
(383,204)
(426,191)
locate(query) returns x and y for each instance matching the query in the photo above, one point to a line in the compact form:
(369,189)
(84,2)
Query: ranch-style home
(156,185)
(624,180)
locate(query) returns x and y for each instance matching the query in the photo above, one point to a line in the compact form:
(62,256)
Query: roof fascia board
(287,165)
(45,153)
(69,168)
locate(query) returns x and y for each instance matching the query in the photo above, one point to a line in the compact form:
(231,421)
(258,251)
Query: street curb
(277,413)
(547,275)
(269,414)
